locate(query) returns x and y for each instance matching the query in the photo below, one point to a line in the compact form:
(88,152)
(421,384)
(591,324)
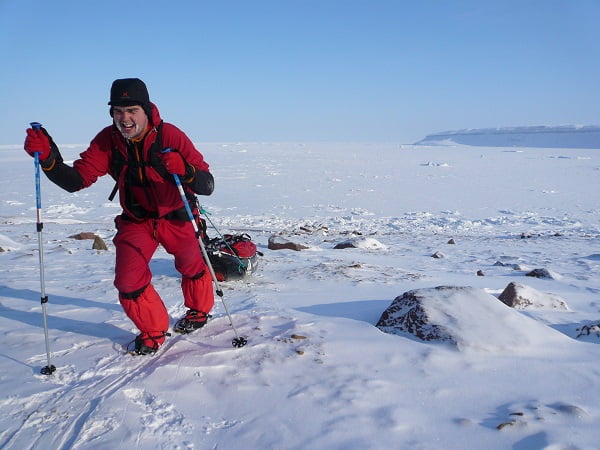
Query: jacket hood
(155,119)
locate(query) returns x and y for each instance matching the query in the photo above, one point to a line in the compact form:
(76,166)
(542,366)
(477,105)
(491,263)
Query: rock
(465,318)
(540,273)
(345,244)
(438,255)
(99,244)
(519,296)
(506,424)
(83,235)
(529,235)
(361,242)
(586,330)
(409,314)
(480,273)
(279,243)
(452,241)
(1,250)
(512,266)
(314,229)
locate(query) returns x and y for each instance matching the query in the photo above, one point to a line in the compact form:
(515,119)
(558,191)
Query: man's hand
(173,162)
(37,142)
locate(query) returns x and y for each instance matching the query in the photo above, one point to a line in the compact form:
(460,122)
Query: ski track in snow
(87,400)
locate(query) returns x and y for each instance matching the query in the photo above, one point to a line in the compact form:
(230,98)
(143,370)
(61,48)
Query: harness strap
(118,161)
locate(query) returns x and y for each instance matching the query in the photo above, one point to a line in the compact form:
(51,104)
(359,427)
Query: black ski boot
(192,321)
(144,344)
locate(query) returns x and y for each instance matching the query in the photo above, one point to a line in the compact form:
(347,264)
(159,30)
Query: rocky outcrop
(465,318)
(280,243)
(520,296)
(98,244)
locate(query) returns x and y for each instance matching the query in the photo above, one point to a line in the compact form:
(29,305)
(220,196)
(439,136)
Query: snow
(316,372)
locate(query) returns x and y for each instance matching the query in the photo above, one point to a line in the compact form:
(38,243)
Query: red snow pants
(135,244)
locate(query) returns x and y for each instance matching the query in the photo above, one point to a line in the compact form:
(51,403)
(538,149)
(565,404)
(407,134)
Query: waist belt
(178,214)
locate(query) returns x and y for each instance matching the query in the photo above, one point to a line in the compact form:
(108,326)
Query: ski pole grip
(175,176)
(36,126)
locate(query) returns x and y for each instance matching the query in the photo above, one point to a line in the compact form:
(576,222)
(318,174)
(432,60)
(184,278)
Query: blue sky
(302,70)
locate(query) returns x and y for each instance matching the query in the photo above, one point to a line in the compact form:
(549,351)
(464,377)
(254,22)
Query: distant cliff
(568,136)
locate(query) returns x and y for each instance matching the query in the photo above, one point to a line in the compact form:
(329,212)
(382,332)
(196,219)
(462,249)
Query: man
(130,150)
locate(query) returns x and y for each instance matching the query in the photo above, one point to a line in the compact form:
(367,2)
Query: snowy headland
(317,373)
(568,136)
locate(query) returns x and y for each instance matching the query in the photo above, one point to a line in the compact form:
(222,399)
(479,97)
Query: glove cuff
(54,158)
(190,173)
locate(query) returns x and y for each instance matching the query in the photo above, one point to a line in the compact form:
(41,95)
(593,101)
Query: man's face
(130,120)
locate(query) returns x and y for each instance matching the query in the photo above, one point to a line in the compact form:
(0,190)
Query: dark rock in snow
(345,244)
(511,297)
(84,235)
(408,314)
(452,241)
(437,255)
(99,244)
(279,243)
(512,266)
(519,296)
(464,317)
(361,242)
(480,273)
(590,329)
(540,273)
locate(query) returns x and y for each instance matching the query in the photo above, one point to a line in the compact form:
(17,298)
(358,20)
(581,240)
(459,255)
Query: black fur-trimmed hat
(128,92)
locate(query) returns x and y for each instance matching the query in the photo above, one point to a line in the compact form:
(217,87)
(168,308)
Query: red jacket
(159,195)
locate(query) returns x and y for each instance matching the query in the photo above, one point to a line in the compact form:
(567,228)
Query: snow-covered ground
(316,372)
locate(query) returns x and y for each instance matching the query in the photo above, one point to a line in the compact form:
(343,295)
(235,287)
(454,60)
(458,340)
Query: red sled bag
(232,257)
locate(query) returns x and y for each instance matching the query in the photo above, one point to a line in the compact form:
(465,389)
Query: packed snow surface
(316,372)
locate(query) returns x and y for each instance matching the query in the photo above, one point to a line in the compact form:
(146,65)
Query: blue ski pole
(238,341)
(49,369)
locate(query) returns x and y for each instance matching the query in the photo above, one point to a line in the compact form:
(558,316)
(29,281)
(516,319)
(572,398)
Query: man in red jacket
(153,212)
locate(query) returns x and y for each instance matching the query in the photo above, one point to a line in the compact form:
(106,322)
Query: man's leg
(135,245)
(178,238)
